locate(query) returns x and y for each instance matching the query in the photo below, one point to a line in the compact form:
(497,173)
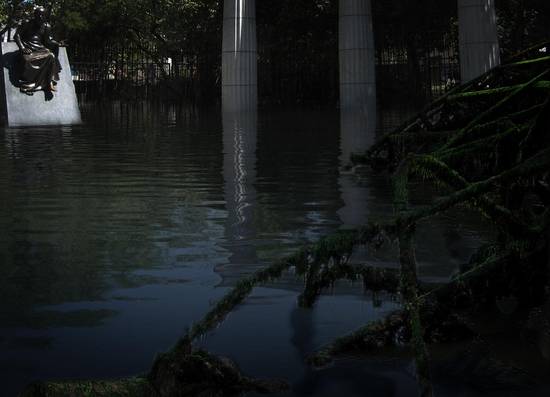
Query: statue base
(42,108)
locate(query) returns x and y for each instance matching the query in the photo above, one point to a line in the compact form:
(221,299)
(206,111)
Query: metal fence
(409,64)
(426,67)
(130,70)
(427,70)
(287,76)
(422,71)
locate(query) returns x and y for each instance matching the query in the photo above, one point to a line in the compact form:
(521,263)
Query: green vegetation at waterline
(137,387)
(195,373)
(486,145)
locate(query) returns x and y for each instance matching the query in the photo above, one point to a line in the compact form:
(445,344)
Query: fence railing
(430,75)
(138,73)
(100,71)
(428,70)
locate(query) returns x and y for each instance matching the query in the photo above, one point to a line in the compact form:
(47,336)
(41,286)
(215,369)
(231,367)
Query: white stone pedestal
(18,109)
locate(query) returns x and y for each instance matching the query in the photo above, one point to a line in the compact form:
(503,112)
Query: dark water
(116,235)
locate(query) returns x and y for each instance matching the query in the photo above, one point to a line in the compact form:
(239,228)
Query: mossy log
(195,373)
(198,373)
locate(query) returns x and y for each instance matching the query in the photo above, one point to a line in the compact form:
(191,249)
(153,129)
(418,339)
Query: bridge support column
(478,38)
(239,55)
(357,54)
(357,133)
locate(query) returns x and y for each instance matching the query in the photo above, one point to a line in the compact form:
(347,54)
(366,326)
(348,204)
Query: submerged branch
(437,169)
(372,338)
(483,115)
(543,85)
(374,279)
(337,246)
(536,164)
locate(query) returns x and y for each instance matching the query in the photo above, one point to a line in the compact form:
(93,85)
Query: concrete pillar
(478,38)
(239,55)
(357,134)
(357,129)
(357,56)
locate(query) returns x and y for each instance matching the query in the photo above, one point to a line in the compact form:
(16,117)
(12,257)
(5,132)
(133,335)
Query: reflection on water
(116,235)
(239,171)
(239,174)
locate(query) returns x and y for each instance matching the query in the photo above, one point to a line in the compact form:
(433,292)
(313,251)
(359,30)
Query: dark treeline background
(127,47)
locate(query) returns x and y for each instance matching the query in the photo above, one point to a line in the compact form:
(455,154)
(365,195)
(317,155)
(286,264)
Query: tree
(10,12)
(522,23)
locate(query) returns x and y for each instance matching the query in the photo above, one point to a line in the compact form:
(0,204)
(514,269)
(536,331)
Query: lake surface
(115,236)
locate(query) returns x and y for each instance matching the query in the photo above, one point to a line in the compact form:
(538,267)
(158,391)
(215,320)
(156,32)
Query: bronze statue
(40,67)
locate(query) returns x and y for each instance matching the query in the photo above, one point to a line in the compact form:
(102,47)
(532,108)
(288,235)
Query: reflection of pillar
(357,129)
(239,55)
(356,47)
(239,172)
(479,49)
(357,133)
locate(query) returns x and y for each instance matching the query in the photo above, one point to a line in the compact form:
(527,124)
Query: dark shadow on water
(346,379)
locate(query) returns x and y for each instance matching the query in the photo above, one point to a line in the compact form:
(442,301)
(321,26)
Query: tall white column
(357,134)
(357,56)
(357,130)
(239,55)
(478,38)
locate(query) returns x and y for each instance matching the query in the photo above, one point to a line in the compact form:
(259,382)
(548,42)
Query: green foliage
(132,387)
(522,23)
(11,11)
(165,26)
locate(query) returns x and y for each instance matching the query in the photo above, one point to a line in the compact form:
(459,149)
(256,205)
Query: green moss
(132,387)
(542,85)
(485,114)
(531,61)
(374,337)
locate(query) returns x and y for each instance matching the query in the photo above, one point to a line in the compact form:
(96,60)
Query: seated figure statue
(40,67)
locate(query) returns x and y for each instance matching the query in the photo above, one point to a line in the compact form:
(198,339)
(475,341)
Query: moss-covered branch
(543,85)
(483,115)
(536,164)
(432,167)
(375,337)
(373,278)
